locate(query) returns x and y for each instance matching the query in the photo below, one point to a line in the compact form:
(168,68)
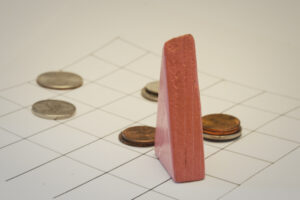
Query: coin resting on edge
(53,109)
(140,136)
(59,80)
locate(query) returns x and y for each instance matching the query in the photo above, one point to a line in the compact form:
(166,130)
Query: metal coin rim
(221,138)
(148,95)
(53,117)
(57,87)
(151,91)
(135,144)
(222,132)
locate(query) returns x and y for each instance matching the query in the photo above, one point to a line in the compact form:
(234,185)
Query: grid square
(98,123)
(104,186)
(27,94)
(295,113)
(279,181)
(151,195)
(230,91)
(103,155)
(209,150)
(62,138)
(206,80)
(149,121)
(7,106)
(124,81)
(210,189)
(24,123)
(7,138)
(283,127)
(22,156)
(91,68)
(94,95)
(119,53)
(225,165)
(266,147)
(49,180)
(148,65)
(152,154)
(132,108)
(145,171)
(273,103)
(210,105)
(251,118)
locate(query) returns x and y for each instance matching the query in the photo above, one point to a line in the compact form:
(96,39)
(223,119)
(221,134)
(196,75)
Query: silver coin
(153,87)
(149,96)
(59,80)
(53,109)
(221,138)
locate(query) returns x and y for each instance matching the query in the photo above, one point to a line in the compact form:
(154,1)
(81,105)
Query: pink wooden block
(178,138)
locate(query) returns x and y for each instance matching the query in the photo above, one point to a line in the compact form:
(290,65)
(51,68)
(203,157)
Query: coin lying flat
(148,95)
(221,123)
(222,137)
(59,80)
(153,87)
(140,136)
(53,109)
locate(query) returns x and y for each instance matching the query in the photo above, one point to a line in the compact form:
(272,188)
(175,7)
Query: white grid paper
(38,163)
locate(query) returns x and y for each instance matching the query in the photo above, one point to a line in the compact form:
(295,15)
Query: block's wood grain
(178,138)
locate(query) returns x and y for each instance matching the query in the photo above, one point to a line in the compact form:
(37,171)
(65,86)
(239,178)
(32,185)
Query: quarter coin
(140,136)
(59,80)
(53,109)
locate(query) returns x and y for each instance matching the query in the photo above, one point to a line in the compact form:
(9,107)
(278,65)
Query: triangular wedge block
(178,138)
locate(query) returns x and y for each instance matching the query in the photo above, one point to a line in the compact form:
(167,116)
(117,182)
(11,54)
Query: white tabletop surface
(248,62)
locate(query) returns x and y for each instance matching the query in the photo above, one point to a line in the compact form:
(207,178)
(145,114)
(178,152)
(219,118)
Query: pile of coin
(56,109)
(221,127)
(139,136)
(150,91)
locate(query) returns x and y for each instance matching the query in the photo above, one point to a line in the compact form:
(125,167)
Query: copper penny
(59,80)
(140,136)
(222,123)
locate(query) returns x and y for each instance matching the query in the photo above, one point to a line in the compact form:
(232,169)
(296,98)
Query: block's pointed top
(173,44)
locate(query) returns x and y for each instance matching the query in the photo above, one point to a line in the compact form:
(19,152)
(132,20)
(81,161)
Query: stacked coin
(139,136)
(150,91)
(221,127)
